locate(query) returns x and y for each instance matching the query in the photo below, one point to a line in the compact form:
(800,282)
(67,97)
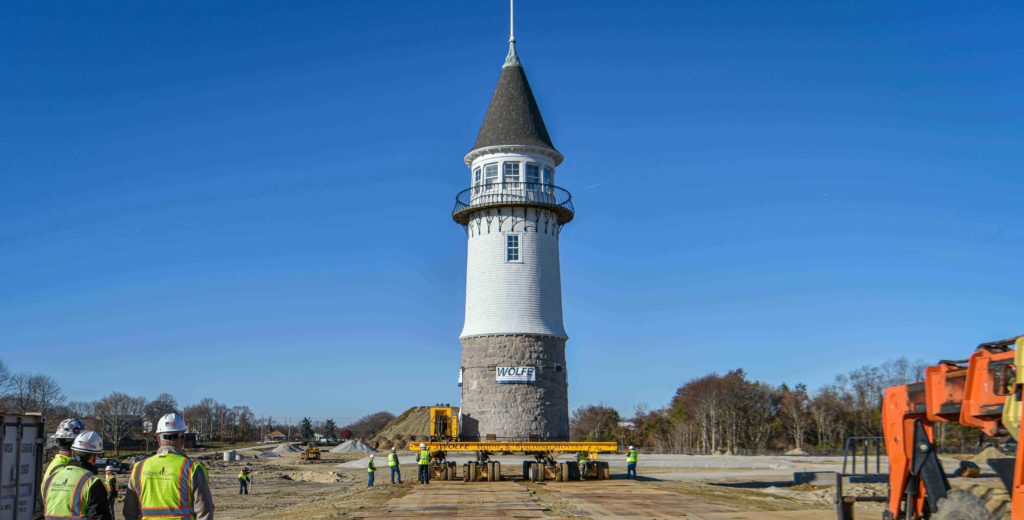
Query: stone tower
(514,383)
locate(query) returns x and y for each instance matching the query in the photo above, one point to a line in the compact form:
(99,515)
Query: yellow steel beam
(567,447)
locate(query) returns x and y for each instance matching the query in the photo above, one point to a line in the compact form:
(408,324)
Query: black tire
(526,469)
(497,471)
(490,471)
(465,472)
(977,502)
(606,471)
(574,470)
(598,470)
(473,477)
(563,472)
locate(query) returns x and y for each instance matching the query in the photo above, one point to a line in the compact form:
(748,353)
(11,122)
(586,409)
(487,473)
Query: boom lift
(444,439)
(982,391)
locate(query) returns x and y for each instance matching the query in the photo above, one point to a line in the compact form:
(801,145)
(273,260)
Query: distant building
(275,436)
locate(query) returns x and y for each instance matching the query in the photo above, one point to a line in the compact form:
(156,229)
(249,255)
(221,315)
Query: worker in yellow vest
(169,484)
(243,480)
(370,469)
(65,435)
(73,490)
(631,463)
(424,464)
(110,481)
(581,463)
(393,464)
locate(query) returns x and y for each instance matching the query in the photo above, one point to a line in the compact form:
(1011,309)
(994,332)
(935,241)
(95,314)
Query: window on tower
(512,248)
(477,178)
(532,176)
(490,174)
(511,173)
(548,179)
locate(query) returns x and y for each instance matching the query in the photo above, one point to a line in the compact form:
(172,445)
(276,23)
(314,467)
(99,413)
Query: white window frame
(547,178)
(507,175)
(477,179)
(535,182)
(518,248)
(490,180)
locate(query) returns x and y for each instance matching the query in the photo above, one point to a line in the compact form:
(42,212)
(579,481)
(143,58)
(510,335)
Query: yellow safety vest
(392,459)
(243,476)
(110,483)
(66,493)
(424,457)
(370,467)
(163,483)
(58,462)
(632,456)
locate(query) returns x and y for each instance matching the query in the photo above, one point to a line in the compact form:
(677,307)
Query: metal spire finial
(512,60)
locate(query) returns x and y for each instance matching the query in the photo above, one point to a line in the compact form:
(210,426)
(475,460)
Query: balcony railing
(528,194)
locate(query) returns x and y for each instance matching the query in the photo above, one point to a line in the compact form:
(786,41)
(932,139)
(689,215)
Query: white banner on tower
(515,375)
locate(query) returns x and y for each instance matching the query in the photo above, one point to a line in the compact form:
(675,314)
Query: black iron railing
(530,194)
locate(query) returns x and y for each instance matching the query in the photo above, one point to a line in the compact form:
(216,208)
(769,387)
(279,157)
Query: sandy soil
(703,487)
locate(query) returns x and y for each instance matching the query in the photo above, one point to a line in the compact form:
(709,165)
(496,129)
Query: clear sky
(251,201)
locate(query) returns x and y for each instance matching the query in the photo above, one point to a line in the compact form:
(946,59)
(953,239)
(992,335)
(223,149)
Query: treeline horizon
(121,418)
(730,413)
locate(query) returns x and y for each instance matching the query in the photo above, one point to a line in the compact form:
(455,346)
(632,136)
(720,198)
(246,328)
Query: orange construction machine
(982,391)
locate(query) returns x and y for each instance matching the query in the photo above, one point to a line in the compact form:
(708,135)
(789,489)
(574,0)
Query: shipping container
(21,465)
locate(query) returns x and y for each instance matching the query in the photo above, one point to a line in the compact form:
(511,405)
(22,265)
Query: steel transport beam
(520,447)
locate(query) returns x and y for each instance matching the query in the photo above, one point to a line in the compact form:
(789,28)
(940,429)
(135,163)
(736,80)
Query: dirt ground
(286,488)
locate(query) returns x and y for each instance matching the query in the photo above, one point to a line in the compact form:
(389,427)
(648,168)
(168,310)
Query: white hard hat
(171,423)
(392,448)
(109,469)
(423,446)
(69,429)
(88,442)
(371,455)
(630,446)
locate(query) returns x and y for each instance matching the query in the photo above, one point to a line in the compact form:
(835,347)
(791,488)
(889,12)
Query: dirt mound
(287,449)
(267,455)
(981,459)
(412,425)
(796,452)
(353,446)
(319,477)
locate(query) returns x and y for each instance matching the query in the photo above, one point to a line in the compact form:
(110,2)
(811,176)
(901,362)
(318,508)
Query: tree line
(731,413)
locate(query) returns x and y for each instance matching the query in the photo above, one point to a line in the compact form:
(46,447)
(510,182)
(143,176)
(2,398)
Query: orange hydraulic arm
(972,392)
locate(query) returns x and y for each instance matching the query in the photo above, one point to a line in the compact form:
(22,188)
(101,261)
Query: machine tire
(526,469)
(490,472)
(472,472)
(465,472)
(574,470)
(536,474)
(606,471)
(563,472)
(977,502)
(497,471)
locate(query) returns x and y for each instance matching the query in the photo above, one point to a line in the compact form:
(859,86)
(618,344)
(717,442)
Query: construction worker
(424,464)
(371,469)
(65,435)
(243,480)
(393,464)
(73,490)
(151,495)
(111,482)
(581,461)
(631,463)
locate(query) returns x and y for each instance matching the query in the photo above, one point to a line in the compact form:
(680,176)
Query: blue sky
(251,201)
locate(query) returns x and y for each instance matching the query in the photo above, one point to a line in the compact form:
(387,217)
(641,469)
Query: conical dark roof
(513,117)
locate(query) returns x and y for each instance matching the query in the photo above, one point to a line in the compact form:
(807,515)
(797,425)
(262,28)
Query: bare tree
(794,413)
(36,393)
(6,379)
(118,416)
(159,407)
